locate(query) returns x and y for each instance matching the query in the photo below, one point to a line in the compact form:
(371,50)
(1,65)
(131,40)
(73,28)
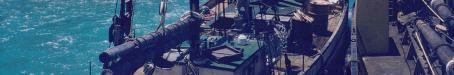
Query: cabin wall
(176,70)
(210,71)
(372,24)
(255,65)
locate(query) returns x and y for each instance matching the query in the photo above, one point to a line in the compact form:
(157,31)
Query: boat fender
(450,67)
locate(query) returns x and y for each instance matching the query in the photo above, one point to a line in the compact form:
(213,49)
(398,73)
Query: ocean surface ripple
(61,37)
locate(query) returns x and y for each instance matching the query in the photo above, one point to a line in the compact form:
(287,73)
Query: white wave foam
(52,44)
(105,1)
(40,0)
(26,29)
(66,66)
(43,33)
(49,16)
(68,39)
(3,40)
(23,72)
(57,20)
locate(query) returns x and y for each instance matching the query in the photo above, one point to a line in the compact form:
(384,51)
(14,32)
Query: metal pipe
(433,11)
(158,41)
(444,12)
(450,67)
(441,47)
(418,39)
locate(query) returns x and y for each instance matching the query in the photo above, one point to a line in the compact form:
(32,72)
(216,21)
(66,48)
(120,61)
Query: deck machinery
(420,34)
(234,37)
(432,27)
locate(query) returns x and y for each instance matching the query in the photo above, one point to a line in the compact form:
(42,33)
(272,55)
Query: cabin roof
(248,50)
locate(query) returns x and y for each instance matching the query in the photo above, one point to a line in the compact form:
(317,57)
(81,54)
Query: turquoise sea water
(61,37)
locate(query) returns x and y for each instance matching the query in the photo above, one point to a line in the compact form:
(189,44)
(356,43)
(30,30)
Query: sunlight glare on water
(61,37)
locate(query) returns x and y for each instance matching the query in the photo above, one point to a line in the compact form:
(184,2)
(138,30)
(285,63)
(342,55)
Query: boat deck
(299,62)
(302,62)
